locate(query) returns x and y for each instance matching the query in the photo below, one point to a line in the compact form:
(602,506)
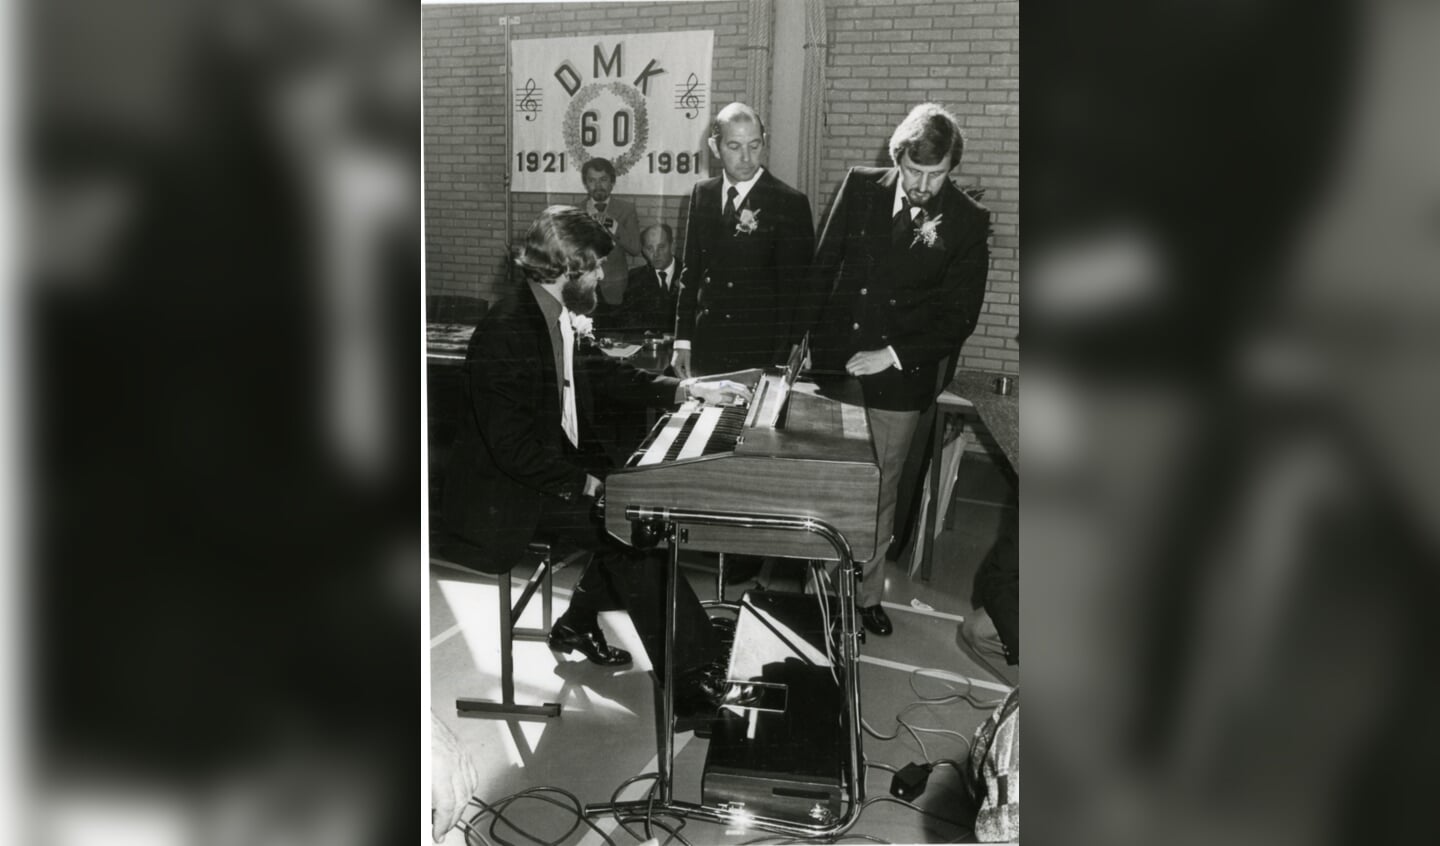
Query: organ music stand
(675,522)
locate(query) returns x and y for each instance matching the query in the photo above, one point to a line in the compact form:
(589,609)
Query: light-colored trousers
(892,432)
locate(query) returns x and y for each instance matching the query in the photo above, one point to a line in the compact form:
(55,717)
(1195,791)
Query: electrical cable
(968,695)
(650,814)
(674,833)
(958,735)
(955,765)
(781,841)
(650,799)
(497,811)
(874,800)
(469,830)
(965,695)
(822,595)
(499,817)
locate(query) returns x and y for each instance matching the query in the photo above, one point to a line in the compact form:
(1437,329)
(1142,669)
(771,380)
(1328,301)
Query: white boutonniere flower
(584,327)
(928,233)
(749,221)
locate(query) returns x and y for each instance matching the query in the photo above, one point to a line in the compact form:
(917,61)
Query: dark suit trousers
(620,577)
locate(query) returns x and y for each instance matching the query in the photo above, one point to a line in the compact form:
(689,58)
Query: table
(971,394)
(445,343)
(653,354)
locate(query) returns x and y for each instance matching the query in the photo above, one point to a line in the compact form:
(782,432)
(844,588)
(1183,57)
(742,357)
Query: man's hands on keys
(680,363)
(719,392)
(869,362)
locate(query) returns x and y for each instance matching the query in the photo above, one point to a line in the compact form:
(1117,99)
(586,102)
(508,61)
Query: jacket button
(727,317)
(884,337)
(729,284)
(855,326)
(892,302)
(864,291)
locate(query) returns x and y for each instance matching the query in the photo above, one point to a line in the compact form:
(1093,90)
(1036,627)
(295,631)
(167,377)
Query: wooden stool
(542,579)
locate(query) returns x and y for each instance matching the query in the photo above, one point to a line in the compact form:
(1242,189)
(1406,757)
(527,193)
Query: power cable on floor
(497,811)
(648,818)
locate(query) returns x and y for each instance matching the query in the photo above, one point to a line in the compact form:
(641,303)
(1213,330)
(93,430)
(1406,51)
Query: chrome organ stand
(797,479)
(676,523)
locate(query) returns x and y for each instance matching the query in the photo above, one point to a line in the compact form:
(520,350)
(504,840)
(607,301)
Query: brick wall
(888,55)
(464,78)
(885,56)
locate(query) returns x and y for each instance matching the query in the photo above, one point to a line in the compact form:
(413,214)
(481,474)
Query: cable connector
(910,781)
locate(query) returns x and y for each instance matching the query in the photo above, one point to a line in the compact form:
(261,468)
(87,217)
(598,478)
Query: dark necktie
(730,201)
(661,274)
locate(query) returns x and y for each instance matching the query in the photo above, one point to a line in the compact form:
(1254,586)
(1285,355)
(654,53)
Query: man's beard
(918,198)
(577,297)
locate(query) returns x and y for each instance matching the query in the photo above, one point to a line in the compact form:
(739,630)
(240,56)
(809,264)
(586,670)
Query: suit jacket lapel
(709,202)
(760,192)
(882,216)
(549,340)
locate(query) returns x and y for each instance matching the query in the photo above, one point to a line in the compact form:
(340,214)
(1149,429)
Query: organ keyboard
(798,448)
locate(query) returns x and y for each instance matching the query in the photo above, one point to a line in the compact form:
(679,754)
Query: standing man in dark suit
(619,219)
(748,245)
(527,463)
(900,272)
(650,297)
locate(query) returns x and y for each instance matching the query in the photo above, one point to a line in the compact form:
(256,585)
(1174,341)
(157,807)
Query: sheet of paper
(621,350)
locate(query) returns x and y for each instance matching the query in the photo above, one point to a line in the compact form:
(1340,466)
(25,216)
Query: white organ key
(700,435)
(656,453)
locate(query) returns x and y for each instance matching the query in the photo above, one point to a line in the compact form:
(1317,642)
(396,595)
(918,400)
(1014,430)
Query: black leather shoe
(875,620)
(588,641)
(698,694)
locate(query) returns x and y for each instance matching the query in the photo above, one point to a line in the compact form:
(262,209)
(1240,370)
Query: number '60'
(619,129)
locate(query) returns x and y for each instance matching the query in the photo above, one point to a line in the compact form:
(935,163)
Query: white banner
(641,101)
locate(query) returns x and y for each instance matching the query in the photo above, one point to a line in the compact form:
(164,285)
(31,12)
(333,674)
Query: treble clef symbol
(528,103)
(688,100)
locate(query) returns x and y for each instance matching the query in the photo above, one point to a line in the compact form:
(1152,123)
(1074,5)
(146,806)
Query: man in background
(618,218)
(650,296)
(901,273)
(748,245)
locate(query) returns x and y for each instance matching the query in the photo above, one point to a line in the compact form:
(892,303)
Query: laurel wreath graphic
(571,127)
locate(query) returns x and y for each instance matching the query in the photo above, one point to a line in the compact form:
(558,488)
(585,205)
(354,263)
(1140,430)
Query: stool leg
(507,643)
(546,599)
(507,707)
